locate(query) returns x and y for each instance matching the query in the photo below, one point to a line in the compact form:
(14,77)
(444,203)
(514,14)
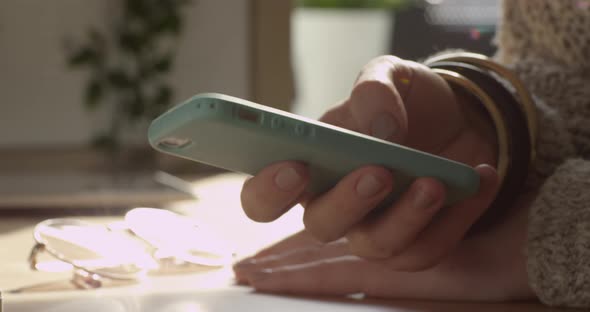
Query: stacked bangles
(510,107)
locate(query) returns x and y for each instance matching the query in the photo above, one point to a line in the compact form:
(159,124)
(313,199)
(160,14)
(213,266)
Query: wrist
(481,126)
(501,95)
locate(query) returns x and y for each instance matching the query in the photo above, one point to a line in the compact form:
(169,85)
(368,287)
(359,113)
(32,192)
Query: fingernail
(383,127)
(368,185)
(240,278)
(259,276)
(243,270)
(422,199)
(287,179)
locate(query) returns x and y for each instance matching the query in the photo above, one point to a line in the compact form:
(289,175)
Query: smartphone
(242,136)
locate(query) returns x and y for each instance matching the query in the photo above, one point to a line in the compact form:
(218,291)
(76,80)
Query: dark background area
(432,26)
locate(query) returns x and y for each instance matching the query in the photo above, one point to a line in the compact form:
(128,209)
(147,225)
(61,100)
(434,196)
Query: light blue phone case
(242,136)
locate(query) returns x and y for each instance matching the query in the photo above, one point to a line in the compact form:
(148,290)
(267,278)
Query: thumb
(402,101)
(376,101)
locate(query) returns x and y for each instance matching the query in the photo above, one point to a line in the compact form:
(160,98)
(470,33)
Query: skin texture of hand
(487,267)
(406,103)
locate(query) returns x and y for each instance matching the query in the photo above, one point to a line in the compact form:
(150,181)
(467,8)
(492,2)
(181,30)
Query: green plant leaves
(129,64)
(130,42)
(163,96)
(83,56)
(105,141)
(135,109)
(163,65)
(119,79)
(93,94)
(170,23)
(89,53)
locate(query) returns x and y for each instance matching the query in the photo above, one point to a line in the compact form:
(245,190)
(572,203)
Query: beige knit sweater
(547,43)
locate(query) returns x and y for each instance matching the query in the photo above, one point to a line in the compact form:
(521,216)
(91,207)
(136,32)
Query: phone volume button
(276,122)
(300,129)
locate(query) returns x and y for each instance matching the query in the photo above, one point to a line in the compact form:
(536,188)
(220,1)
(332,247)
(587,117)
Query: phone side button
(300,129)
(276,122)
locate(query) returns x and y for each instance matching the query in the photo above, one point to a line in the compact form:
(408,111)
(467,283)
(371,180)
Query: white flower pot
(330,46)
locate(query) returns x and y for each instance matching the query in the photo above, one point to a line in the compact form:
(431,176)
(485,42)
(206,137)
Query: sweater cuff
(558,247)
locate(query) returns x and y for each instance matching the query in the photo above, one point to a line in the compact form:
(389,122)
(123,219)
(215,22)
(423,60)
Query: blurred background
(80,80)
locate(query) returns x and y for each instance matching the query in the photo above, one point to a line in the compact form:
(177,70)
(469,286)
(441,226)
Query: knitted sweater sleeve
(547,44)
(558,248)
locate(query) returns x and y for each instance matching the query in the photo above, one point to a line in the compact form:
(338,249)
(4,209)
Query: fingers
(445,231)
(296,256)
(328,273)
(398,226)
(469,274)
(340,116)
(375,102)
(330,276)
(409,235)
(298,240)
(274,190)
(402,101)
(331,215)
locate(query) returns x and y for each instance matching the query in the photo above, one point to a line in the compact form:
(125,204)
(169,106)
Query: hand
(407,103)
(487,267)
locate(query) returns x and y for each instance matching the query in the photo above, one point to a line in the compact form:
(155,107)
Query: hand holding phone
(242,136)
(430,213)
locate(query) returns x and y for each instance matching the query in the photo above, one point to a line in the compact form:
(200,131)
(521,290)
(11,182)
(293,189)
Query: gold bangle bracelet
(522,95)
(499,122)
